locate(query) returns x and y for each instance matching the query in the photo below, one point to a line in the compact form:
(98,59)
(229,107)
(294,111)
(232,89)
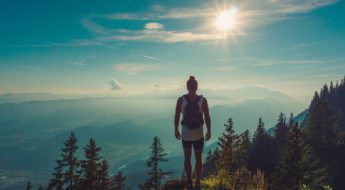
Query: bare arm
(207,118)
(177,115)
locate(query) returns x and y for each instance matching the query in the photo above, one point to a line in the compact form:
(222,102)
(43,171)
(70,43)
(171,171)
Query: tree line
(92,172)
(292,156)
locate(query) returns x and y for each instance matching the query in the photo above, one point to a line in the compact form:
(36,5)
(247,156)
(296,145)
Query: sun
(226,19)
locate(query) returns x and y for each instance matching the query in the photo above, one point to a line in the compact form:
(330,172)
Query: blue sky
(146,46)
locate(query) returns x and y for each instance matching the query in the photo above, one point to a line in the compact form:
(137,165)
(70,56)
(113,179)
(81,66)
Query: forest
(306,155)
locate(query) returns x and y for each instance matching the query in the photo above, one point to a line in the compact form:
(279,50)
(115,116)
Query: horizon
(114,72)
(148,47)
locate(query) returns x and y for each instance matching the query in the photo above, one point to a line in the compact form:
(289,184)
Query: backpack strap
(186,97)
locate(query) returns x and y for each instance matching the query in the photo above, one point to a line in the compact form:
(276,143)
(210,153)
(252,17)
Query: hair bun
(191,78)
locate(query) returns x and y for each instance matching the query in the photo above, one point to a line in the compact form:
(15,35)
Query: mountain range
(32,132)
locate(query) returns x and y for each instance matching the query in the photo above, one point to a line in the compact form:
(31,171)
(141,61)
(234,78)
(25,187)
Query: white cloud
(306,45)
(152,58)
(160,13)
(153,26)
(167,87)
(252,14)
(79,63)
(136,68)
(115,84)
(225,68)
(251,8)
(234,59)
(182,13)
(164,36)
(266,63)
(91,25)
(73,43)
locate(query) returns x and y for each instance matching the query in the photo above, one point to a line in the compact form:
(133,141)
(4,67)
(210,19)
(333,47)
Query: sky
(145,47)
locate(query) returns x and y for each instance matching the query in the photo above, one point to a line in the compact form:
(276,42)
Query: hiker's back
(192,121)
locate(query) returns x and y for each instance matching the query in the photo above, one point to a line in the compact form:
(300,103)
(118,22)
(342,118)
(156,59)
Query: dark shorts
(197,144)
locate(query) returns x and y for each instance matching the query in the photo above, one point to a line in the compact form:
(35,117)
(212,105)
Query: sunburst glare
(226,19)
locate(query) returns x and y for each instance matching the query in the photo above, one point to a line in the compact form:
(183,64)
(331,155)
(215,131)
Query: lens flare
(226,19)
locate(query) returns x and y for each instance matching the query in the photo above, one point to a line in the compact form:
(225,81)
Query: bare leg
(188,162)
(198,164)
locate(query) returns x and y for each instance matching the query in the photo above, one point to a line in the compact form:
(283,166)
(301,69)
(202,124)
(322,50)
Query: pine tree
(90,166)
(337,86)
(315,100)
(65,175)
(281,130)
(324,138)
(225,144)
(155,174)
(322,132)
(103,177)
(339,166)
(324,94)
(118,182)
(331,88)
(298,168)
(242,176)
(291,120)
(70,162)
(229,171)
(280,136)
(28,186)
(208,166)
(262,151)
(56,182)
(242,146)
(208,156)
(260,130)
(315,176)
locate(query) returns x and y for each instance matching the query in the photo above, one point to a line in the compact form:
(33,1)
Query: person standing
(195,114)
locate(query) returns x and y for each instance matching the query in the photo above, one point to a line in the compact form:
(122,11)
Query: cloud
(153,32)
(115,84)
(91,25)
(73,43)
(253,14)
(306,45)
(234,59)
(164,36)
(136,68)
(225,68)
(153,26)
(162,13)
(266,63)
(166,87)
(31,68)
(252,8)
(79,63)
(152,58)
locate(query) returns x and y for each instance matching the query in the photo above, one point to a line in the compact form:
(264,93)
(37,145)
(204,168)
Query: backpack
(192,118)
